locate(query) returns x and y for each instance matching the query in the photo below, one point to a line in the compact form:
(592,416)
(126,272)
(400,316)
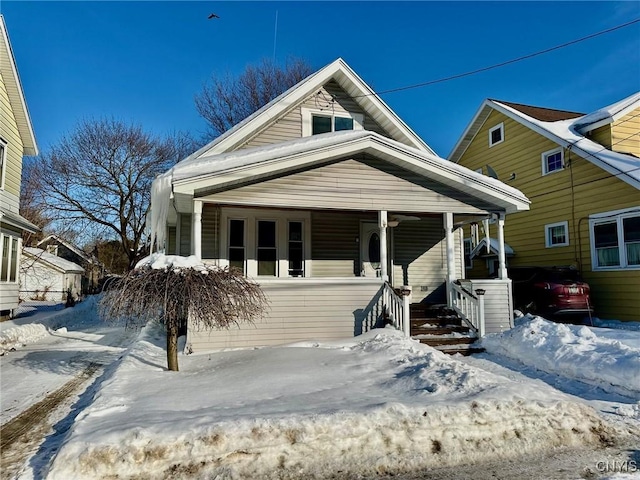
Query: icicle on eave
(160,202)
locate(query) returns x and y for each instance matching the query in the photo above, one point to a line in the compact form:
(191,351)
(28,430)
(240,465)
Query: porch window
(267,253)
(615,240)
(296,250)
(468,262)
(237,244)
(552,161)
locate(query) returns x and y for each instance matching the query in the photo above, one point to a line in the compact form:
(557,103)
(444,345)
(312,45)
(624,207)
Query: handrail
(396,307)
(470,307)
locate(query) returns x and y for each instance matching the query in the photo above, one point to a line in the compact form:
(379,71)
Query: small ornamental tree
(177,290)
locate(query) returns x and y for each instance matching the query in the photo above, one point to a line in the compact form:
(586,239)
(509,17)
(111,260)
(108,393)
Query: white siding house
(44,276)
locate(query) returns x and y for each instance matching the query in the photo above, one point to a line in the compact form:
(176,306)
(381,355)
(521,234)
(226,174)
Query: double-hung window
(9,259)
(552,161)
(296,249)
(615,239)
(267,251)
(237,240)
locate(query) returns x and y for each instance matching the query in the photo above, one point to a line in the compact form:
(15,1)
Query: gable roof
(563,132)
(228,170)
(348,80)
(540,113)
(53,261)
(12,83)
(70,246)
(480,250)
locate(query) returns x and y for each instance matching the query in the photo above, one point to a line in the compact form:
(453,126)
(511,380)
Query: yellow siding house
(582,175)
(16,139)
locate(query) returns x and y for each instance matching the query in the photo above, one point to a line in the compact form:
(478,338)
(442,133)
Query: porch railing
(396,307)
(469,306)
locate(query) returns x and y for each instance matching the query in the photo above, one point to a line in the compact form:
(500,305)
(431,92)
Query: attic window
(496,135)
(316,122)
(552,161)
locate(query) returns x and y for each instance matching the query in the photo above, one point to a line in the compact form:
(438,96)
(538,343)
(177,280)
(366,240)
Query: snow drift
(374,404)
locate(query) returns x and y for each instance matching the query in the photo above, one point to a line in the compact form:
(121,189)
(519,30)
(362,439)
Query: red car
(550,291)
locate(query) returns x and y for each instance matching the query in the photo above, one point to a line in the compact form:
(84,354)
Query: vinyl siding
(171,240)
(210,231)
(335,250)
(185,234)
(520,153)
(301,310)
(497,304)
(289,126)
(625,133)
(601,135)
(364,184)
(420,258)
(9,133)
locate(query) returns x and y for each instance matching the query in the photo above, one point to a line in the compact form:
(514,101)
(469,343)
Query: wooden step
(439,330)
(435,321)
(438,340)
(464,350)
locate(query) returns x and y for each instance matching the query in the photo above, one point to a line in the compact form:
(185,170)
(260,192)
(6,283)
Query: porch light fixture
(480,291)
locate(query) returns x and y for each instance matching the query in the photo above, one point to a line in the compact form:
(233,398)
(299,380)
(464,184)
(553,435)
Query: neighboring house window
(267,252)
(552,161)
(52,249)
(296,249)
(9,259)
(556,234)
(615,239)
(315,122)
(468,263)
(496,135)
(237,244)
(3,162)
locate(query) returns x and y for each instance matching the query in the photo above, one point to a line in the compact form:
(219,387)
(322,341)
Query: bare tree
(98,179)
(206,297)
(227,100)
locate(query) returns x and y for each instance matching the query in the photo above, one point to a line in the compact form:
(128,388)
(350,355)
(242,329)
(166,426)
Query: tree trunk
(172,346)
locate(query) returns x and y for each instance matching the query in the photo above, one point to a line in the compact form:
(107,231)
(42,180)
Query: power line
(502,64)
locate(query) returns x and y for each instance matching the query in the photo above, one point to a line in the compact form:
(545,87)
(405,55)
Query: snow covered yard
(372,405)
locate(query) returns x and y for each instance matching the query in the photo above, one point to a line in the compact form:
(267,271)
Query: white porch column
(196,231)
(451,264)
(502,262)
(382,223)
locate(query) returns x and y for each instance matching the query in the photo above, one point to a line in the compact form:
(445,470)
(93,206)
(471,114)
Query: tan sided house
(16,139)
(582,174)
(332,203)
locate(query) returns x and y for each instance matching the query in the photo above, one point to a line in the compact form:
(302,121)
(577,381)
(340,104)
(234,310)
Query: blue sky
(144,61)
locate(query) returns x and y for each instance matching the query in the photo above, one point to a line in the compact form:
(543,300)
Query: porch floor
(442,329)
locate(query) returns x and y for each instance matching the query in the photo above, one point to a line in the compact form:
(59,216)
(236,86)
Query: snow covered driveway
(47,361)
(373,405)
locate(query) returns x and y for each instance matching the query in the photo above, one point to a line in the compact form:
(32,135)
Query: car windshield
(563,275)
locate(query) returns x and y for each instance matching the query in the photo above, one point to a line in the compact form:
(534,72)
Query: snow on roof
(53,260)
(481,248)
(624,166)
(607,114)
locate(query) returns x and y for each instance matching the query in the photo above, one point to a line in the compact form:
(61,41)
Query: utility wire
(502,64)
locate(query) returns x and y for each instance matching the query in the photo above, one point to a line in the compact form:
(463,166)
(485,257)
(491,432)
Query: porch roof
(480,250)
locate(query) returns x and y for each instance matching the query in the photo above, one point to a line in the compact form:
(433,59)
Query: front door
(370,249)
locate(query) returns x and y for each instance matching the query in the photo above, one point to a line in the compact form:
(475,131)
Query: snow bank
(572,351)
(160,261)
(375,404)
(22,335)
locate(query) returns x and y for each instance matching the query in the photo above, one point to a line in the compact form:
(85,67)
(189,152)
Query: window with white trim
(9,247)
(316,122)
(236,242)
(266,242)
(552,161)
(496,134)
(3,162)
(556,234)
(615,240)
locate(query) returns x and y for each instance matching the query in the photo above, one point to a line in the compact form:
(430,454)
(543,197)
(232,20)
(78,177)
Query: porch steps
(442,329)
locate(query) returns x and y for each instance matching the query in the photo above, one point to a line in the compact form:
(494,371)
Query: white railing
(396,307)
(469,306)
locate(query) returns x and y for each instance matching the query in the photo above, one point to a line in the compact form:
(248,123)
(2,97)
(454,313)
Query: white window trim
(3,162)
(500,127)
(308,113)
(609,217)
(18,251)
(547,237)
(251,217)
(548,153)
